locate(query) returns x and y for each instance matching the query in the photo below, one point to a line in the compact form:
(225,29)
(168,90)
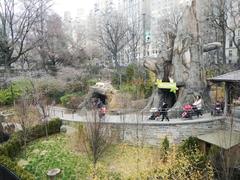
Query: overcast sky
(73,5)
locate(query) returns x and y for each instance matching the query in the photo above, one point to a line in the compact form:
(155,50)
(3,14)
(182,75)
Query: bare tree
(22,108)
(39,99)
(97,137)
(134,36)
(17,19)
(218,17)
(53,45)
(113,34)
(233,25)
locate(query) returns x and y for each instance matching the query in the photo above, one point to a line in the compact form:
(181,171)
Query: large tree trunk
(185,64)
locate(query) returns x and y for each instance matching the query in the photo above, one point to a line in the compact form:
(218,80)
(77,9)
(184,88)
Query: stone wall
(152,134)
(235,125)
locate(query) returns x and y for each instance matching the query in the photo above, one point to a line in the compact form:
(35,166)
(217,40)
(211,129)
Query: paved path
(132,118)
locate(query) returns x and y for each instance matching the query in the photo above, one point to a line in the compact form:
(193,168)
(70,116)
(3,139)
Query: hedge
(18,171)
(14,145)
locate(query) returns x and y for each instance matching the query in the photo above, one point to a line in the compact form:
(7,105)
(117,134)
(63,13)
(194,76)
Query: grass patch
(42,155)
(57,152)
(129,161)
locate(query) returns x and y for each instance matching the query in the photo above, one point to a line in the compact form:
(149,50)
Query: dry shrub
(33,115)
(120,101)
(77,139)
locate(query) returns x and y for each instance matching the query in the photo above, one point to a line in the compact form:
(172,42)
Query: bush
(13,146)
(9,95)
(13,167)
(14,91)
(189,145)
(51,88)
(38,131)
(71,100)
(134,80)
(91,82)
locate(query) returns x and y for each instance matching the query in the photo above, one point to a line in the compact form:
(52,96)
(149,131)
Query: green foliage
(13,167)
(9,95)
(38,131)
(91,82)
(189,145)
(134,80)
(180,165)
(22,84)
(42,155)
(148,87)
(190,148)
(72,100)
(130,72)
(165,144)
(13,146)
(51,88)
(14,91)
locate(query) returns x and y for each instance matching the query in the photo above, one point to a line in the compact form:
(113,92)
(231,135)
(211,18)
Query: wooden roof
(233,76)
(222,138)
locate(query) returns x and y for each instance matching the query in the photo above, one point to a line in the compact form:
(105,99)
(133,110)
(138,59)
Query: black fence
(6,174)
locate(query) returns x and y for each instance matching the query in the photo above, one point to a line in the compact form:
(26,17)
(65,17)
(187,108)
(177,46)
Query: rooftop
(233,76)
(222,138)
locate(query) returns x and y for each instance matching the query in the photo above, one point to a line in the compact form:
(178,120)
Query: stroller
(189,111)
(102,112)
(218,109)
(155,114)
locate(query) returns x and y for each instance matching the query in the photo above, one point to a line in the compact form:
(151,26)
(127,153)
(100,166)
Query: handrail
(6,173)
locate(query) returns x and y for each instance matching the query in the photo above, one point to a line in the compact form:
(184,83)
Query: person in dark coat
(164,111)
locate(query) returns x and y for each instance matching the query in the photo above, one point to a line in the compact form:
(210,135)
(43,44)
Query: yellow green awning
(167,85)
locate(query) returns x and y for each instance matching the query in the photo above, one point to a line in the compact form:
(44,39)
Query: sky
(60,6)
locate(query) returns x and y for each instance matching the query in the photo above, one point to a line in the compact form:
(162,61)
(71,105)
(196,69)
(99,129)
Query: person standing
(164,111)
(198,105)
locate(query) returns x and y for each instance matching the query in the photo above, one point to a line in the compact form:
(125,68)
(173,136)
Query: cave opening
(102,97)
(168,97)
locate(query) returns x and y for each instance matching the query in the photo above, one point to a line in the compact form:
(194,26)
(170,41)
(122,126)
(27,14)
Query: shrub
(134,80)
(13,167)
(13,146)
(9,95)
(91,82)
(190,149)
(180,165)
(14,91)
(51,88)
(165,145)
(189,145)
(71,100)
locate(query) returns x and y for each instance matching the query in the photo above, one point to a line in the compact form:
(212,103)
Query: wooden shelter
(228,141)
(230,80)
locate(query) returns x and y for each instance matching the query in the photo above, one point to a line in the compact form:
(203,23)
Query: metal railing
(5,173)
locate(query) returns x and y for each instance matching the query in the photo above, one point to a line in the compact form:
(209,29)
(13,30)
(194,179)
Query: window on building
(230,43)
(230,53)
(229,61)
(238,42)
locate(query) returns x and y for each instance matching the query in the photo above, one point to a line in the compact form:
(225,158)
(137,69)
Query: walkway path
(132,118)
